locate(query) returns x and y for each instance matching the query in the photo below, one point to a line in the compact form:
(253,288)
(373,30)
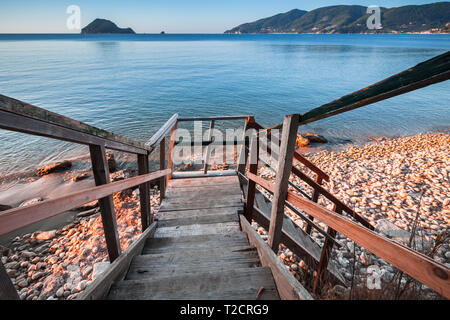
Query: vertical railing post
(7,290)
(251,186)
(314,198)
(325,254)
(162,166)
(144,192)
(171,147)
(243,152)
(287,149)
(101,175)
(208,149)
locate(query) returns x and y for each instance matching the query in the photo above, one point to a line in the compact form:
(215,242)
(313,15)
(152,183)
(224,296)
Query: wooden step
(232,240)
(207,219)
(191,261)
(194,213)
(197,229)
(234,284)
(216,201)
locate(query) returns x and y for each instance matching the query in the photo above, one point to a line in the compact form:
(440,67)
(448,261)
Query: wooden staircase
(198,250)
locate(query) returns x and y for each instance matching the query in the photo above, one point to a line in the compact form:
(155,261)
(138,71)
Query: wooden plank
(299,243)
(311,166)
(7,290)
(288,287)
(44,118)
(177,204)
(251,186)
(171,146)
(230,241)
(203,193)
(175,268)
(201,174)
(18,218)
(203,285)
(315,198)
(269,187)
(243,153)
(293,237)
(332,198)
(144,193)
(424,269)
(198,220)
(162,132)
(99,288)
(169,215)
(190,261)
(162,166)
(238,117)
(100,169)
(288,141)
(297,156)
(197,229)
(19,123)
(424,74)
(208,149)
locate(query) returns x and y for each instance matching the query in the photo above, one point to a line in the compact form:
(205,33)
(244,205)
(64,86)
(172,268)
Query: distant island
(428,18)
(104,26)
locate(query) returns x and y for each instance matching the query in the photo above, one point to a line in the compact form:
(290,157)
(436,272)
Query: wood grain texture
(251,186)
(332,198)
(44,118)
(100,169)
(221,285)
(19,123)
(424,74)
(144,193)
(288,141)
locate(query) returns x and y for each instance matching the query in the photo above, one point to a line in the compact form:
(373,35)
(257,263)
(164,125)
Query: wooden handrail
(424,74)
(429,272)
(239,117)
(162,132)
(20,116)
(17,218)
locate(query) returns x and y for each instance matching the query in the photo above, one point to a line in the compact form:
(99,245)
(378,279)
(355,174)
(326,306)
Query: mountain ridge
(428,18)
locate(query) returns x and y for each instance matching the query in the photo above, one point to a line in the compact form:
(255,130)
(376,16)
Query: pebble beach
(390,182)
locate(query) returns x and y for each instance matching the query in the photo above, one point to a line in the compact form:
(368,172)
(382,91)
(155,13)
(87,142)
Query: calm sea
(131,84)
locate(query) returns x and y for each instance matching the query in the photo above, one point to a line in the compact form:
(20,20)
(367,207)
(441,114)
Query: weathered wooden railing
(423,268)
(431,273)
(202,143)
(22,117)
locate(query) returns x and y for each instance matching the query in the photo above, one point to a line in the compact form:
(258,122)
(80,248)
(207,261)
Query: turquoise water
(131,84)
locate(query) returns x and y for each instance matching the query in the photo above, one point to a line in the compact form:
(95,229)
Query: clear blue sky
(153,16)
